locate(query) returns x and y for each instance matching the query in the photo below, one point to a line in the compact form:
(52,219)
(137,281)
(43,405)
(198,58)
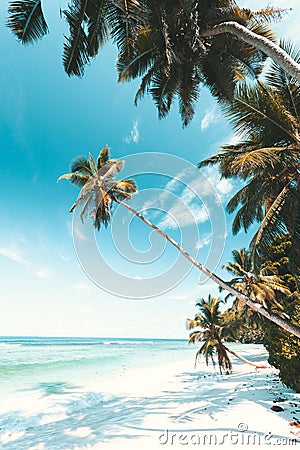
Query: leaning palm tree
(211,335)
(176,45)
(100,190)
(266,116)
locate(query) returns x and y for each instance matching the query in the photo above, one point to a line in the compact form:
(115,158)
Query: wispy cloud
(45,273)
(81,286)
(64,258)
(203,242)
(79,234)
(134,135)
(177,217)
(188,197)
(14,255)
(211,117)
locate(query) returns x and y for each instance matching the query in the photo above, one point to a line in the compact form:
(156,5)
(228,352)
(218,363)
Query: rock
(277,408)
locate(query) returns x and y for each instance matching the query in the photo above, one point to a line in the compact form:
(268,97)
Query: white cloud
(81,286)
(64,258)
(14,255)
(86,309)
(176,216)
(224,187)
(134,133)
(79,234)
(211,117)
(44,273)
(202,242)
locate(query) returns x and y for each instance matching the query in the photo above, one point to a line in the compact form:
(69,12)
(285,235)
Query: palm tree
(211,333)
(176,45)
(267,160)
(261,286)
(99,190)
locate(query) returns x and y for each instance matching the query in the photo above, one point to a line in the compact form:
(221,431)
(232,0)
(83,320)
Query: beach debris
(277,408)
(295,428)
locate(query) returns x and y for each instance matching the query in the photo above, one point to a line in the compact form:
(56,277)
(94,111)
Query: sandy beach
(170,406)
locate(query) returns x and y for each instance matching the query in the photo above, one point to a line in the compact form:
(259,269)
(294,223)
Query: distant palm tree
(267,159)
(100,189)
(211,334)
(176,45)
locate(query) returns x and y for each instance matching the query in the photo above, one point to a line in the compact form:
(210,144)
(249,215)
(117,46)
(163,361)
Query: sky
(59,278)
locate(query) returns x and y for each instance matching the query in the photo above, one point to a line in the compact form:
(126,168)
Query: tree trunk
(265,45)
(290,328)
(257,366)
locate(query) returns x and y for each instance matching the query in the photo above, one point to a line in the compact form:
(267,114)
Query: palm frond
(75,178)
(26,20)
(103,157)
(81,164)
(97,26)
(75,54)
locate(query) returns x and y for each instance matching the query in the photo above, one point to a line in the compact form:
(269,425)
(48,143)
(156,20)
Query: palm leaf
(26,20)
(75,178)
(75,55)
(81,164)
(97,26)
(103,157)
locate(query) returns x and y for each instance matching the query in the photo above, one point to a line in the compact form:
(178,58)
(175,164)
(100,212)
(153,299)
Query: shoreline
(167,406)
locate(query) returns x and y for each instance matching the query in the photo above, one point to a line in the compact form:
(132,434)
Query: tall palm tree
(211,333)
(100,189)
(267,160)
(176,45)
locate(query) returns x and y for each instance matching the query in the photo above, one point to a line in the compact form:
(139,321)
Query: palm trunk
(268,47)
(257,366)
(290,328)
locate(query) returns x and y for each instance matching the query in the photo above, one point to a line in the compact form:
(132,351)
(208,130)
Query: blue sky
(46,119)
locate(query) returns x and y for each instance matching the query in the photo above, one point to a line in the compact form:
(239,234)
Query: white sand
(172,406)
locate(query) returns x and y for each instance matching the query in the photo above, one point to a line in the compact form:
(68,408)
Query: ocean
(48,383)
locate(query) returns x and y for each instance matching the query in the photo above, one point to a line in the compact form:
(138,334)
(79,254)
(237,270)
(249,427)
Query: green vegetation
(175,46)
(284,349)
(213,331)
(267,163)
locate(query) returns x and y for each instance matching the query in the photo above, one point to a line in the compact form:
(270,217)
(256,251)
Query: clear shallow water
(50,385)
(53,363)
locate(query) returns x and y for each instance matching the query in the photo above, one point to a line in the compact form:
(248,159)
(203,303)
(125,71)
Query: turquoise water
(53,364)
(51,385)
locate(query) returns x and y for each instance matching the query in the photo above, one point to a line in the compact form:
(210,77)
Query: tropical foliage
(261,286)
(175,46)
(266,116)
(284,348)
(212,331)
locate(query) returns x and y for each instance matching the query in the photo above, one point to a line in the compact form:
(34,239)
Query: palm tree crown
(260,286)
(99,188)
(211,333)
(174,45)
(266,116)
